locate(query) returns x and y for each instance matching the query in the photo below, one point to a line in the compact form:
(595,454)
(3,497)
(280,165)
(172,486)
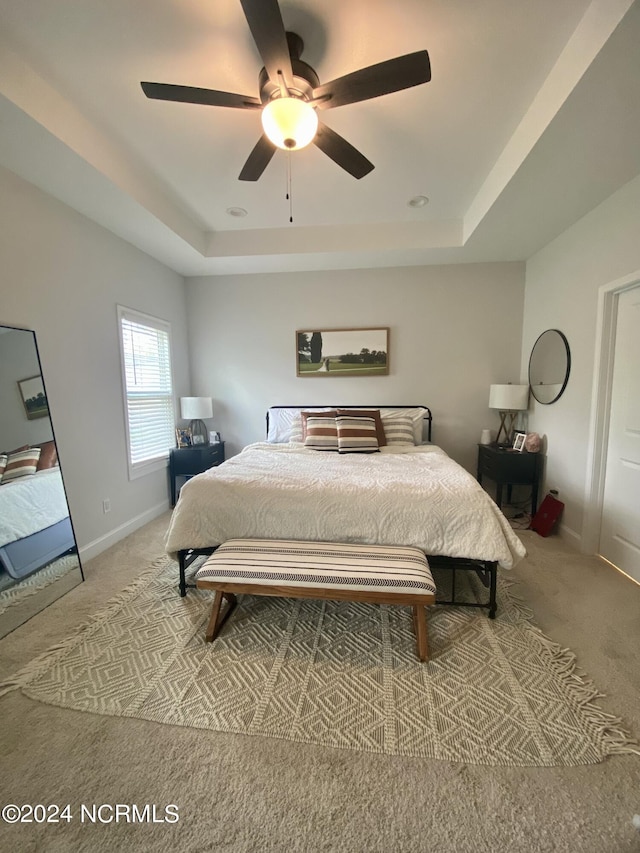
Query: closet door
(620,531)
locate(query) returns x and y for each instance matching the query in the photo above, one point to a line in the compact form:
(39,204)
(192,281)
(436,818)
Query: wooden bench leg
(218,615)
(420,625)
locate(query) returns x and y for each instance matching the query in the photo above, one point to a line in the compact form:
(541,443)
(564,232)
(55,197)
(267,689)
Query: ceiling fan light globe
(290,123)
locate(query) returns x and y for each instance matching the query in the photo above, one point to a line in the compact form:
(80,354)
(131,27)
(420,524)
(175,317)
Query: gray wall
(454,330)
(62,276)
(562,284)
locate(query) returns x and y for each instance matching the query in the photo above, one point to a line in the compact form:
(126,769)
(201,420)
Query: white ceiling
(531,118)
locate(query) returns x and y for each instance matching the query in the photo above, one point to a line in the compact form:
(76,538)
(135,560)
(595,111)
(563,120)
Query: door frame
(606,320)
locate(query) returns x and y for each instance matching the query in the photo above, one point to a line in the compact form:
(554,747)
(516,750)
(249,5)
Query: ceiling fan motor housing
(305,79)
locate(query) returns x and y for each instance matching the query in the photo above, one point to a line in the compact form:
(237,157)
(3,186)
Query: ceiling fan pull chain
(289,192)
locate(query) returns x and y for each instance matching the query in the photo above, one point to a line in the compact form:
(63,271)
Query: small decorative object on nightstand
(187,461)
(183,437)
(532,442)
(519,439)
(510,468)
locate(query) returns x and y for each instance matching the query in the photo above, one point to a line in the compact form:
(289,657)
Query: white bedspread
(400,496)
(30,504)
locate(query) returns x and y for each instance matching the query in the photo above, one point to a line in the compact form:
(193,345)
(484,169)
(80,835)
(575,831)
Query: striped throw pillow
(315,413)
(296,435)
(321,432)
(20,464)
(357,434)
(368,413)
(3,464)
(398,430)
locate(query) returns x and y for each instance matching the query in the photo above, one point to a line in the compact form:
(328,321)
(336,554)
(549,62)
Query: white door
(620,531)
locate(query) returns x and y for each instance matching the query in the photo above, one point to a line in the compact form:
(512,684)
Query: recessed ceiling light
(236,211)
(418,201)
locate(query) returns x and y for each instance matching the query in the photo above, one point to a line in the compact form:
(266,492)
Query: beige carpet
(248,794)
(495,692)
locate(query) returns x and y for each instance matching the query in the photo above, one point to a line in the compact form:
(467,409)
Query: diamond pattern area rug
(338,674)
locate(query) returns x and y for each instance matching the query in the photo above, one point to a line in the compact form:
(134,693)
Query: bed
(407,493)
(35,527)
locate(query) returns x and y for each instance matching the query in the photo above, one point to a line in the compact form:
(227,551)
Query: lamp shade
(290,123)
(509,398)
(195,408)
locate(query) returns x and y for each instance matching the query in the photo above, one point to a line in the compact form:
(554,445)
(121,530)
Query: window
(145,347)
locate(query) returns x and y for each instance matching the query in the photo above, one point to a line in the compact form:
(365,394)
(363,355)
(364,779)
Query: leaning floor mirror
(39,559)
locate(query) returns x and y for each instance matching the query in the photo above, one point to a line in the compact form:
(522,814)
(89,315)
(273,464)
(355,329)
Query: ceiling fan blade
(193,95)
(342,152)
(393,75)
(267,28)
(258,160)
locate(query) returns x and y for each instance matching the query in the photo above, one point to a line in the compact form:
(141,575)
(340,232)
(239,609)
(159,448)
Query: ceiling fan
(291,93)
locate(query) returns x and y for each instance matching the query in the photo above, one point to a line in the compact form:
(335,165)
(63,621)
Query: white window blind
(146,368)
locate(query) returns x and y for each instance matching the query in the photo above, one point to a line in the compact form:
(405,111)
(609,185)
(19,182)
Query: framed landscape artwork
(33,397)
(342,352)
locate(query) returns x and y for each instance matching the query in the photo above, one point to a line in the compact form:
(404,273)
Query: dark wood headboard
(427,411)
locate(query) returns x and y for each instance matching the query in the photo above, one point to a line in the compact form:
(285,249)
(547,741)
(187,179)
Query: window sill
(142,469)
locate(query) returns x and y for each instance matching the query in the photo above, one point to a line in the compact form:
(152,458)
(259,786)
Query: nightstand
(510,468)
(187,461)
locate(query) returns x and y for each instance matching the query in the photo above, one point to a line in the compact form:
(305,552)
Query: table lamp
(195,409)
(508,400)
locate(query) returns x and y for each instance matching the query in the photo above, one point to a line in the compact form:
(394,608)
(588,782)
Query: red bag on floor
(549,512)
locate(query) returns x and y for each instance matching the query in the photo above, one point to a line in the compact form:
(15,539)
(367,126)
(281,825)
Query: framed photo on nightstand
(183,437)
(519,440)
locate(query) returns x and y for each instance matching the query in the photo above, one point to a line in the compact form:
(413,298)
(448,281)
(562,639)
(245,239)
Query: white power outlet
(106,505)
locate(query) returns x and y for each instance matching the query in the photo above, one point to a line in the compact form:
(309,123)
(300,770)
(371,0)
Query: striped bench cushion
(326,565)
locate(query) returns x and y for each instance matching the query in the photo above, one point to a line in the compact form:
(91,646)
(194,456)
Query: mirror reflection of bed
(38,554)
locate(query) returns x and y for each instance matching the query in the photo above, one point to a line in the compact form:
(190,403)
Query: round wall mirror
(549,366)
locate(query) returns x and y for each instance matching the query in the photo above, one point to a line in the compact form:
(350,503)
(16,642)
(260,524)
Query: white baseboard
(574,539)
(92,549)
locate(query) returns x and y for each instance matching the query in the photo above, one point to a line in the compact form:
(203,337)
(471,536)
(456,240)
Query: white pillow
(280,420)
(285,424)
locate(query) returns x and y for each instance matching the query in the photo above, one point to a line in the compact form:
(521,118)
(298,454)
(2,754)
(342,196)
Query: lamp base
(199,433)
(507,428)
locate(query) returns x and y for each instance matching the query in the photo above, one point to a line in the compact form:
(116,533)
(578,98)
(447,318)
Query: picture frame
(33,397)
(342,352)
(518,441)
(183,436)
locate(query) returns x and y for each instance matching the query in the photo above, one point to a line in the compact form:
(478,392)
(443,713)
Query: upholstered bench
(376,574)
